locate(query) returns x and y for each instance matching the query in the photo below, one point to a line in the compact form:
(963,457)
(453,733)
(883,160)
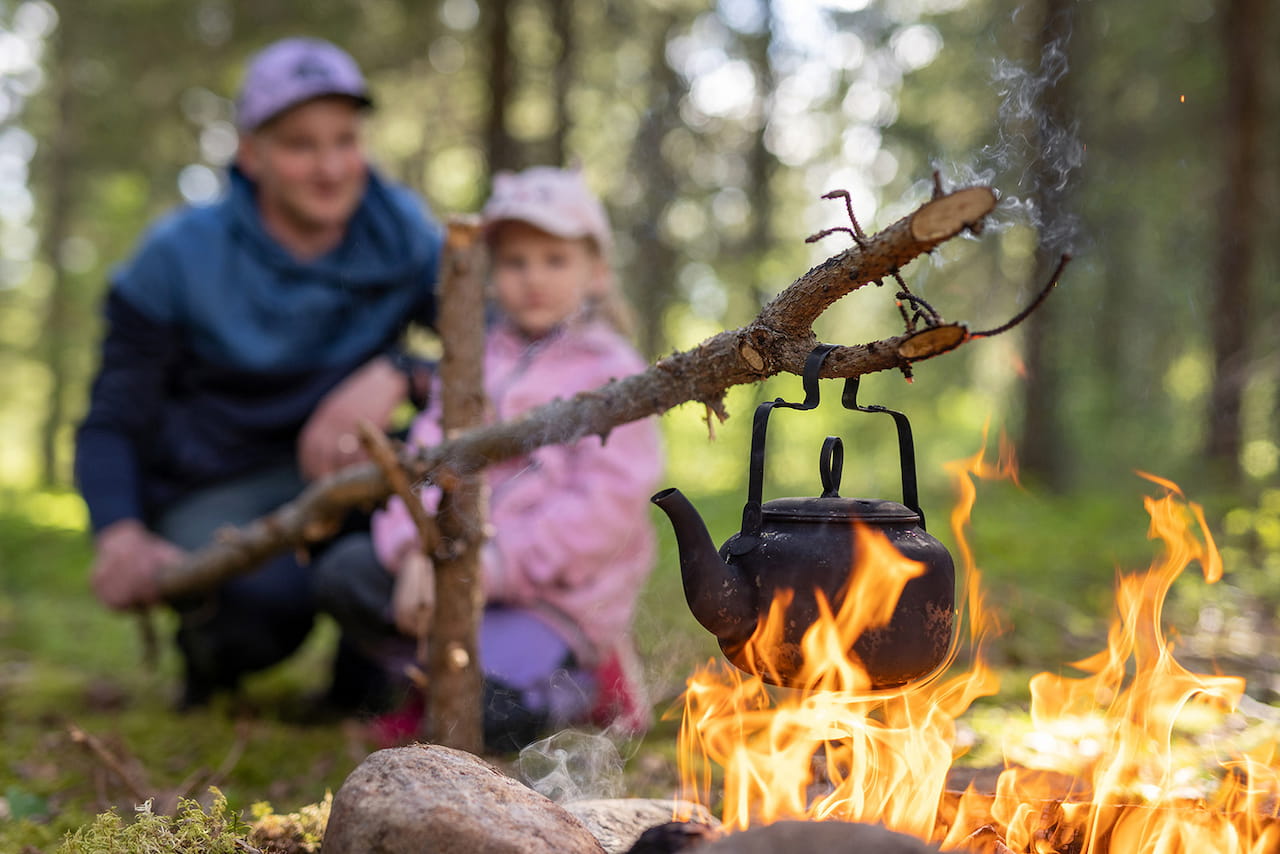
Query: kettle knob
(831,466)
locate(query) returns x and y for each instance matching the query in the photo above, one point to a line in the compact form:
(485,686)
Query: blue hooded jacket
(220,344)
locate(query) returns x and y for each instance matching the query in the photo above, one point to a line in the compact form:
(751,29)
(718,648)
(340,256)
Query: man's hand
(127,563)
(329,439)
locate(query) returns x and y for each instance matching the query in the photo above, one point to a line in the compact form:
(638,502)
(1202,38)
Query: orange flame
(836,750)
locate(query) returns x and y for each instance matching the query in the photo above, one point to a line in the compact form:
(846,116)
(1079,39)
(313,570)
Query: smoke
(571,766)
(1037,149)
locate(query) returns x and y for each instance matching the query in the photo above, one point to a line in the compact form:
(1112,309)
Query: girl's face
(540,280)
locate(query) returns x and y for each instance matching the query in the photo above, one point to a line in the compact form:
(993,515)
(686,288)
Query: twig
(150,643)
(378,446)
(930,314)
(1026,312)
(380,451)
(859,237)
(109,760)
(244,728)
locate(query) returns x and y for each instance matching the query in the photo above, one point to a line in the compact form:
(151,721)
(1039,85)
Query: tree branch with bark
(777,341)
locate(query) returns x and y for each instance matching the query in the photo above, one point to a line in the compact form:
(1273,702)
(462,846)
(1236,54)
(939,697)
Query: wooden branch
(778,341)
(455,711)
(378,447)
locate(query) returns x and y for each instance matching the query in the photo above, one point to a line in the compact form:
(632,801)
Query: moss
(191,829)
(299,832)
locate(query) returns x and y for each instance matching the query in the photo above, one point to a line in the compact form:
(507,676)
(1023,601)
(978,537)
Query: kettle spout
(719,595)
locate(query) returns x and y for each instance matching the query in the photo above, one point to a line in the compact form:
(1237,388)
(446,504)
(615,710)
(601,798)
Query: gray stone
(427,798)
(817,837)
(617,823)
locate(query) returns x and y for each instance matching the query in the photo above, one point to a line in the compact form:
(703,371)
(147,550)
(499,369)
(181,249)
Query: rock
(428,798)
(617,823)
(674,836)
(817,837)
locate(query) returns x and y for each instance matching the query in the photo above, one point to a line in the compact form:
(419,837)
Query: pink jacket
(571,532)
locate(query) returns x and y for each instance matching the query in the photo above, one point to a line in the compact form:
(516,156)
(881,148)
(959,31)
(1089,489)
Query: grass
(69,667)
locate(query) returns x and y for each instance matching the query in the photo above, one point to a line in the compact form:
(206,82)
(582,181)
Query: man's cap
(288,72)
(556,201)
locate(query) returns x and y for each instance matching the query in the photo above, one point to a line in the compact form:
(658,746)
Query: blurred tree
(710,128)
(60,162)
(563,26)
(1044,453)
(1243,31)
(500,146)
(652,170)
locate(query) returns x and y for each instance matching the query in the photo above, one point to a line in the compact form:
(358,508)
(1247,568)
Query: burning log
(777,341)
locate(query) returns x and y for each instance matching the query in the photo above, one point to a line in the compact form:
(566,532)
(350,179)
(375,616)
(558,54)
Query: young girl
(572,543)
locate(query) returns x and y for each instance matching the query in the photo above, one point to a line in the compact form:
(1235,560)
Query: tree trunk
(761,163)
(499,145)
(1243,35)
(59,170)
(1044,452)
(652,296)
(455,685)
(562,78)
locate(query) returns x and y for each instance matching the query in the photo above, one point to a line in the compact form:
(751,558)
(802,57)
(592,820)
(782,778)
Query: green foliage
(191,831)
(300,831)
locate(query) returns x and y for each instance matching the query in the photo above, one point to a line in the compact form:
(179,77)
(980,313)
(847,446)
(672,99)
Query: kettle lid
(837,508)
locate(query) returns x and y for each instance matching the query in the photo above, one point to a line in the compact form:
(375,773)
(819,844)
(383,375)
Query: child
(572,542)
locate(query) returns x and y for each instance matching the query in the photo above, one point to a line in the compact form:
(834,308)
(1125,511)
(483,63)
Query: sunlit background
(712,130)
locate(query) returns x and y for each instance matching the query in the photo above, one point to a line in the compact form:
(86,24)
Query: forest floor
(87,721)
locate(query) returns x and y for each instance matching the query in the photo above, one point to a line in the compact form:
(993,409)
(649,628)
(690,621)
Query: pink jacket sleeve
(560,524)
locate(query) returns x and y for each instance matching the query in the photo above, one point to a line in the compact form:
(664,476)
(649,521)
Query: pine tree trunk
(1243,43)
(562,78)
(60,174)
(499,145)
(1044,452)
(652,296)
(762,163)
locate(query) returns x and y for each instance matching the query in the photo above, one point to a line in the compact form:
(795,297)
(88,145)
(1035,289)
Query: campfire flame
(836,750)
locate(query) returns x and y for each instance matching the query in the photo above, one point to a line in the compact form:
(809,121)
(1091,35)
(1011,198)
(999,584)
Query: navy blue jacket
(220,344)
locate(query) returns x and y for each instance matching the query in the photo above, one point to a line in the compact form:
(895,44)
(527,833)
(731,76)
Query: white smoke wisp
(1035,155)
(571,766)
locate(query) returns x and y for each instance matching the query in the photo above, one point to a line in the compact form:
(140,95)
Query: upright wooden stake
(454,716)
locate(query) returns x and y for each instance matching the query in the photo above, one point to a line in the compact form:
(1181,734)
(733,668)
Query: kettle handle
(906,445)
(749,536)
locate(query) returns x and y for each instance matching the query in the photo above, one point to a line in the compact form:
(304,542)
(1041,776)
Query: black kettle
(811,545)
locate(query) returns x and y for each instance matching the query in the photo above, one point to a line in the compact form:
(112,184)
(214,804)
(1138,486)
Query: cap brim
(536,215)
(362,99)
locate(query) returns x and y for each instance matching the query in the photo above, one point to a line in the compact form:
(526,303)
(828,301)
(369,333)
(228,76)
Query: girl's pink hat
(556,201)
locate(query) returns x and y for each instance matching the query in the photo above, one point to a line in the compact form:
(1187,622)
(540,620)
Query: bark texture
(453,716)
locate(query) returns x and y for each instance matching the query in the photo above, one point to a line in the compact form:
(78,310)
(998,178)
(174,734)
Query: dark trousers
(254,620)
(532,680)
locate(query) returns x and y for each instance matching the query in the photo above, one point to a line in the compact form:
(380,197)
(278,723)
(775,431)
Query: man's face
(309,164)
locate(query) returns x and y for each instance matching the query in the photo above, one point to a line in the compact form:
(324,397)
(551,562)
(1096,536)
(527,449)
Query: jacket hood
(384,240)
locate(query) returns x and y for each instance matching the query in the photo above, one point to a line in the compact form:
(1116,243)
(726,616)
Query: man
(245,340)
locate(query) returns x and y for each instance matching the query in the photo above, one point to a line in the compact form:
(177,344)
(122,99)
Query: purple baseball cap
(291,71)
